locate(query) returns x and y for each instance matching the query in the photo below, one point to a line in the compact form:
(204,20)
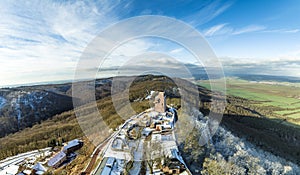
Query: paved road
(90,166)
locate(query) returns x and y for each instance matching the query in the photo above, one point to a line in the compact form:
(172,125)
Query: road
(90,166)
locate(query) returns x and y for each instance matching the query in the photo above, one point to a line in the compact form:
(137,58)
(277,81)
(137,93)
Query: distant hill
(199,73)
(25,106)
(253,77)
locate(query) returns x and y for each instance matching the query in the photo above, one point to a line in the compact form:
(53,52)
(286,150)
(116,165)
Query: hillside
(25,106)
(277,140)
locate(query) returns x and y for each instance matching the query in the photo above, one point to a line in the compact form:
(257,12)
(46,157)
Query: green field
(295,116)
(282,98)
(288,112)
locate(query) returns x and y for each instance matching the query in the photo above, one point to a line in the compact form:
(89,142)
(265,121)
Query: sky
(44,40)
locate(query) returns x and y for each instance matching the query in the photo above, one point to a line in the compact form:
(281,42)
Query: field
(282,99)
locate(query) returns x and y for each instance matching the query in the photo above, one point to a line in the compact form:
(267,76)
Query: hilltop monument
(160,102)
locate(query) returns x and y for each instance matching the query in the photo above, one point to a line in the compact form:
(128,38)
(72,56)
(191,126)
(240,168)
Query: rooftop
(72,143)
(39,167)
(58,157)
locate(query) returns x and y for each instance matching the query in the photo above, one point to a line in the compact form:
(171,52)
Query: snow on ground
(18,159)
(150,95)
(2,102)
(226,147)
(138,152)
(136,168)
(12,169)
(117,154)
(242,153)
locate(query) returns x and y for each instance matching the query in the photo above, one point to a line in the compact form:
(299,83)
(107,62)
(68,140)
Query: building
(57,160)
(119,143)
(173,166)
(111,166)
(60,157)
(110,162)
(26,172)
(147,131)
(159,127)
(38,169)
(160,102)
(72,146)
(174,163)
(106,170)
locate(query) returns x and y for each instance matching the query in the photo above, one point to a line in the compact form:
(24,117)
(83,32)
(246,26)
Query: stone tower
(160,102)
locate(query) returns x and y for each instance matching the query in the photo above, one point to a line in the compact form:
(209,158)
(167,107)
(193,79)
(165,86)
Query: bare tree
(152,153)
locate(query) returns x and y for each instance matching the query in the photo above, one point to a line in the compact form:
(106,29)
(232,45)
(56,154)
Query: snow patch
(150,95)
(2,102)
(227,147)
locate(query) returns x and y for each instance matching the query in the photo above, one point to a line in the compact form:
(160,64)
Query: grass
(288,112)
(284,97)
(295,116)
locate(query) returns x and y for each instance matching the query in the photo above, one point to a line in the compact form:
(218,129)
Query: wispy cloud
(249,29)
(226,29)
(292,31)
(43,40)
(284,65)
(282,31)
(44,37)
(177,50)
(217,30)
(209,11)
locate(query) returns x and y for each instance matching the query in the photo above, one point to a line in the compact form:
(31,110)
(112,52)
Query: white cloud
(209,11)
(292,31)
(43,40)
(290,56)
(214,30)
(282,31)
(284,65)
(225,29)
(133,48)
(177,50)
(47,37)
(249,29)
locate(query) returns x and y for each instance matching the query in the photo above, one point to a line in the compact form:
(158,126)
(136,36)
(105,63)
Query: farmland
(281,100)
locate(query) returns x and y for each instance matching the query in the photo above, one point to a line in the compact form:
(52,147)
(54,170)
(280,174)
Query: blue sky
(43,40)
